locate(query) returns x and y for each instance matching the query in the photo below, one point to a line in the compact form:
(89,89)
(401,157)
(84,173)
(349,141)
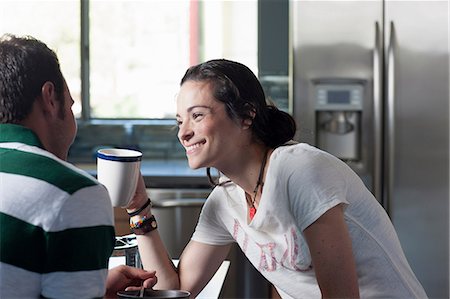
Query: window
(135,52)
(57,23)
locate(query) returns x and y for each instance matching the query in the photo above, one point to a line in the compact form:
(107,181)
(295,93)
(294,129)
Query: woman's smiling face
(208,134)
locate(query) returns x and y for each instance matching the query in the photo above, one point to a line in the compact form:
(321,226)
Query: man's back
(56,223)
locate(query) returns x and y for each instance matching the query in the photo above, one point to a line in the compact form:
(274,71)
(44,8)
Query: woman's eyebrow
(193,107)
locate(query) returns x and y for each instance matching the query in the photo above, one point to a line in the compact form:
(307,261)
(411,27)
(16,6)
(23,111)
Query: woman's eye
(179,122)
(196,115)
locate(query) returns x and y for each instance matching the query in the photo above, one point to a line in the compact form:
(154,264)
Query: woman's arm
(154,256)
(332,257)
(152,251)
(198,262)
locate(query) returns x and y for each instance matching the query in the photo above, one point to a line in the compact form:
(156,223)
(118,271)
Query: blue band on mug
(120,159)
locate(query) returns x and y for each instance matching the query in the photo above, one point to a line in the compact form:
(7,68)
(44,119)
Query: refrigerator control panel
(342,97)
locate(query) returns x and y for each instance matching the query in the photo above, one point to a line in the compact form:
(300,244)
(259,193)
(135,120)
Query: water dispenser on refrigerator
(338,108)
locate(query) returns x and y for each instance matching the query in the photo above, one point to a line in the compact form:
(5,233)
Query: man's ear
(49,99)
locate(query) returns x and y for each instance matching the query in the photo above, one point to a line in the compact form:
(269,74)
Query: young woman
(302,217)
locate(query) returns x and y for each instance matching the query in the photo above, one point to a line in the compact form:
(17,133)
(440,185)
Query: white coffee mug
(118,170)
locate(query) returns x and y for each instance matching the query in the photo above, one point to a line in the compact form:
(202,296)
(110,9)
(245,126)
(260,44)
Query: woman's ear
(247,122)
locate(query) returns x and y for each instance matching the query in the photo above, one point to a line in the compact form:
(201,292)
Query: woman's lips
(193,147)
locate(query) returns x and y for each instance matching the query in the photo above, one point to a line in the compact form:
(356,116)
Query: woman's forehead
(195,93)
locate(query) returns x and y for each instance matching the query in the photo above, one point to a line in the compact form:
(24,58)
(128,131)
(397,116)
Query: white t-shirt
(302,183)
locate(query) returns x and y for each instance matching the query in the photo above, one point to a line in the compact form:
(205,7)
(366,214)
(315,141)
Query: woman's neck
(245,169)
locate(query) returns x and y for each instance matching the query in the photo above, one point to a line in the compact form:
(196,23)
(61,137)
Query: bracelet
(141,209)
(138,223)
(146,226)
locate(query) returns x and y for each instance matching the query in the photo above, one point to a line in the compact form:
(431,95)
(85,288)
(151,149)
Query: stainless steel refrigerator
(370,84)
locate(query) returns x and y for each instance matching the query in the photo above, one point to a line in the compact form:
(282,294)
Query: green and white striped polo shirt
(56,223)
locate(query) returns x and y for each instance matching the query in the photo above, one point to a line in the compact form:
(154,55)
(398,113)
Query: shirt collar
(18,133)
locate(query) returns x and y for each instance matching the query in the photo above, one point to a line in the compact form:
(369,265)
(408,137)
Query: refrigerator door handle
(377,113)
(390,116)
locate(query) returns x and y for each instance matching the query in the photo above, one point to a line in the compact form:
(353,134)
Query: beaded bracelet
(141,209)
(138,223)
(146,226)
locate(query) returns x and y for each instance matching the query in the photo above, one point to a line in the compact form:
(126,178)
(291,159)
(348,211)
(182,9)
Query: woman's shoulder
(294,147)
(297,153)
(303,160)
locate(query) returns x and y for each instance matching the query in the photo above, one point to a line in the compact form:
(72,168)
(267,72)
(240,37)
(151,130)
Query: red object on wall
(193,32)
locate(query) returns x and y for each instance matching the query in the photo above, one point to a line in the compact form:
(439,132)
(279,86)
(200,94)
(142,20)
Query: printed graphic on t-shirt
(272,255)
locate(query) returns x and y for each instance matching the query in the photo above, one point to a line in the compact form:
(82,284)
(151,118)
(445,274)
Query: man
(56,222)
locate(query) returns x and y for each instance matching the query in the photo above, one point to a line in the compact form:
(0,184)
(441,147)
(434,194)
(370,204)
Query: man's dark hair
(25,65)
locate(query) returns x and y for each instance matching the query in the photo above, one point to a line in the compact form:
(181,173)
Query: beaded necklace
(259,183)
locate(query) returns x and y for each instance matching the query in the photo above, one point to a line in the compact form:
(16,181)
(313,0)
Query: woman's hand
(122,277)
(140,196)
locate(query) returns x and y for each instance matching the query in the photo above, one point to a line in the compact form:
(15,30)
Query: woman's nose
(184,132)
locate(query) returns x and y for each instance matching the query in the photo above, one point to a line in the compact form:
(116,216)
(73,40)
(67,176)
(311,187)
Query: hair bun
(280,127)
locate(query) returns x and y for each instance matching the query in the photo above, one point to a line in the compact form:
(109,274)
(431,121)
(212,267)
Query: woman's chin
(194,165)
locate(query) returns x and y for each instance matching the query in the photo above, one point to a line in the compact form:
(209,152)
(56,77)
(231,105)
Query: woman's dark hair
(235,85)
(25,65)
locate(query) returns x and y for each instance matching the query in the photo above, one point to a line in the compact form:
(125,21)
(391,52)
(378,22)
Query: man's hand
(121,277)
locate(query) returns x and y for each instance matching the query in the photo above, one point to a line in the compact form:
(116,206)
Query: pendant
(252,212)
